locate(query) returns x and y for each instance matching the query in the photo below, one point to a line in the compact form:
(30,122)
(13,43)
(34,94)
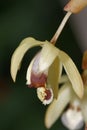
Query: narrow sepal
(73,73)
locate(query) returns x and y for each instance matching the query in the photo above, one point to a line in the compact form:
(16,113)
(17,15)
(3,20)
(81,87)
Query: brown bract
(75,6)
(84,61)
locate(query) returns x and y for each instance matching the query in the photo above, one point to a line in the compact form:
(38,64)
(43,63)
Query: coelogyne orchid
(76,115)
(45,69)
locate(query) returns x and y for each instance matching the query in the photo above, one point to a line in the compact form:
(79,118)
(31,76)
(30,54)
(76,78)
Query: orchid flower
(76,115)
(45,69)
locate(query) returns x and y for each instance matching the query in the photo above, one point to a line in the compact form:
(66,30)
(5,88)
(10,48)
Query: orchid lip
(35,77)
(45,95)
(38,80)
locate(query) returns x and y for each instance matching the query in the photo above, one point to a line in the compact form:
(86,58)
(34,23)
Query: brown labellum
(38,80)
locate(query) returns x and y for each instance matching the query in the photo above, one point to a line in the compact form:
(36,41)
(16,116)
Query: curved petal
(48,53)
(54,74)
(56,108)
(28,75)
(72,73)
(17,56)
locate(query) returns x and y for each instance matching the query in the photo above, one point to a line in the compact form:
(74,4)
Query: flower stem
(60,28)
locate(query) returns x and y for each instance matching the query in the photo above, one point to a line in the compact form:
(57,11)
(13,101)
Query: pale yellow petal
(17,56)
(73,73)
(54,74)
(28,75)
(48,53)
(57,106)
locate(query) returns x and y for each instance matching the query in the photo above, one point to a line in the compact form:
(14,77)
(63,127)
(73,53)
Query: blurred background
(20,108)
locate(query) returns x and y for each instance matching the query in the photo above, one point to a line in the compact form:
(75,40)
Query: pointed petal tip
(14,79)
(12,71)
(80,89)
(81,94)
(47,125)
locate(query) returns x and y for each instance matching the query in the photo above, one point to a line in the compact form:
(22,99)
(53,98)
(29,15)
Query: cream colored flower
(76,115)
(45,69)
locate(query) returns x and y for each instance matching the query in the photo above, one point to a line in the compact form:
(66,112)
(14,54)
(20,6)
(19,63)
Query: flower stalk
(60,28)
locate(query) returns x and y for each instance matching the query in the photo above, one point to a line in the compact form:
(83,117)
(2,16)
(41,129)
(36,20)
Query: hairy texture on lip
(48,94)
(45,95)
(38,80)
